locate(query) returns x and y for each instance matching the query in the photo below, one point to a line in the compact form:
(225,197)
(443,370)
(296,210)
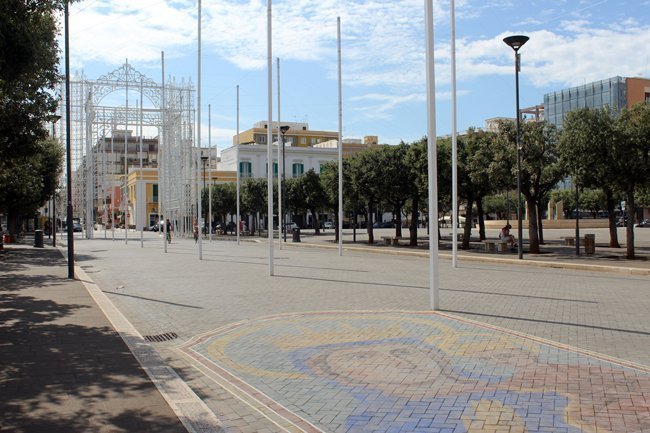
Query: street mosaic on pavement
(419,372)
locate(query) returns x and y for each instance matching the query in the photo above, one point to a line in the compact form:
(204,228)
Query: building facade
(615,93)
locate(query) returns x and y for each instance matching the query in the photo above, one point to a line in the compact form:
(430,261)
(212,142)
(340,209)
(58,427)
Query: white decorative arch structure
(99,115)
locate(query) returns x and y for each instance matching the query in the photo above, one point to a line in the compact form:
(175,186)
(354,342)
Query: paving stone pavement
(247,318)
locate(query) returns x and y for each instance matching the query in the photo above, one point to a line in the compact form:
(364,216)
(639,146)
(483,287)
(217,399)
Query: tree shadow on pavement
(63,368)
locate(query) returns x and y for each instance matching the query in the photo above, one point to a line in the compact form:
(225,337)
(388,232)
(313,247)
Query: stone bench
(491,246)
(391,240)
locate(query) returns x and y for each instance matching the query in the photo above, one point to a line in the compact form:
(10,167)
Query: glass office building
(610,93)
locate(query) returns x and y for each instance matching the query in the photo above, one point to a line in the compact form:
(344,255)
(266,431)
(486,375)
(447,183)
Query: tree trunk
(337,224)
(629,211)
(14,223)
(481,218)
(398,222)
(540,226)
(371,236)
(532,226)
(611,216)
(468,224)
(413,229)
(314,215)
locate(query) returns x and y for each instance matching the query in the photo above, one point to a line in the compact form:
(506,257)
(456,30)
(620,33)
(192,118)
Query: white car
(328,225)
(290,226)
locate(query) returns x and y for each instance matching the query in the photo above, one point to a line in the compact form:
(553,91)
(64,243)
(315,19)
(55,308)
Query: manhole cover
(168,336)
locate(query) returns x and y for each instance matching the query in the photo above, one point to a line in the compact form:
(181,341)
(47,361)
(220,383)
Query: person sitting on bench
(504,234)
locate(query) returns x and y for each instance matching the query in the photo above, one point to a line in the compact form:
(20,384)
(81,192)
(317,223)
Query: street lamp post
(516,42)
(203,161)
(283,130)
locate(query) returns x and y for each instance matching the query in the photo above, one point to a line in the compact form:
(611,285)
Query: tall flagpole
(432,159)
(454,141)
(269,135)
(198,138)
(210,171)
(143,185)
(126,152)
(237,220)
(280,165)
(162,221)
(113,176)
(339,225)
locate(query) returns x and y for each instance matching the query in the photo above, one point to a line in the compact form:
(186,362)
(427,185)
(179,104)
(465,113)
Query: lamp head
(284,128)
(204,158)
(515,42)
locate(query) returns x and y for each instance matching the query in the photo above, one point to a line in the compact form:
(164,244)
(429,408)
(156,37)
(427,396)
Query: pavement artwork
(418,372)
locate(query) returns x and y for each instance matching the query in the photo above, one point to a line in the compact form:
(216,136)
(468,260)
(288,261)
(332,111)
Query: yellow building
(145,211)
(298,134)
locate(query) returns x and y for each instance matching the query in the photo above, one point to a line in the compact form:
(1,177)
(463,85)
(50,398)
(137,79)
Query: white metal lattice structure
(100,113)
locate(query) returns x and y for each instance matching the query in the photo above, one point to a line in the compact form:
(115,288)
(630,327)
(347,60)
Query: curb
(621,270)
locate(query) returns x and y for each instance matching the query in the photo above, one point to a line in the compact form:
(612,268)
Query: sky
(572,42)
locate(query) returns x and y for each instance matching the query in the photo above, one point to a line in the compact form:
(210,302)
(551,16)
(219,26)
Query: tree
(312,192)
(397,180)
(28,77)
(30,182)
(366,174)
(541,169)
(587,148)
(416,161)
(633,157)
(253,199)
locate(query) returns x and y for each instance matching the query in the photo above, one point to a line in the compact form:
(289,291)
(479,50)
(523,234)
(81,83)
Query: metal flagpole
(454,140)
(269,134)
(143,185)
(237,220)
(339,226)
(162,221)
(198,138)
(113,176)
(431,151)
(125,201)
(210,171)
(104,169)
(280,165)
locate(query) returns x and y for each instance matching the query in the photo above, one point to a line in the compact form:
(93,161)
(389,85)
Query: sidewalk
(64,368)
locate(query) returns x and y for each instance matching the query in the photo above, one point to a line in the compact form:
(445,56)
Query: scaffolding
(102,118)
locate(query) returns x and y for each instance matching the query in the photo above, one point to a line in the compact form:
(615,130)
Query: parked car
(328,225)
(76,227)
(383,225)
(644,223)
(154,228)
(290,226)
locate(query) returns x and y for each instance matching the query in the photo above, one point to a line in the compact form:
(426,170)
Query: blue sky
(572,42)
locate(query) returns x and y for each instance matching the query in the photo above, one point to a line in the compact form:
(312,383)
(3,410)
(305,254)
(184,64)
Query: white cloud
(383,41)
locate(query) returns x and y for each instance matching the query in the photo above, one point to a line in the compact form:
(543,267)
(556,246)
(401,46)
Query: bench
(391,240)
(491,246)
(571,240)
(459,235)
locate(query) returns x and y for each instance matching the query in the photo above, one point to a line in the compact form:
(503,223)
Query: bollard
(590,244)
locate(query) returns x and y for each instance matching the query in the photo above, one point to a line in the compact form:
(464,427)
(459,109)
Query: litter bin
(296,234)
(38,238)
(590,244)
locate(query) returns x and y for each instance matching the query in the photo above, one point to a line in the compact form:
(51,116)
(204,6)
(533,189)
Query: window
(154,193)
(245,169)
(275,169)
(647,97)
(298,169)
(303,140)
